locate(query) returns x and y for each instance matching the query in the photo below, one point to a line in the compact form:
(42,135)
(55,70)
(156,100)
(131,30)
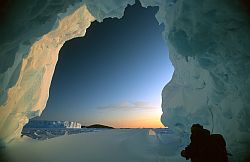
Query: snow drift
(123,145)
(208,45)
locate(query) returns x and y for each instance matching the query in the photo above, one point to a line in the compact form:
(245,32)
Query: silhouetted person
(205,147)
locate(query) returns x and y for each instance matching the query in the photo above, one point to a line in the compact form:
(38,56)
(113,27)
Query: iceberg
(208,45)
(52,124)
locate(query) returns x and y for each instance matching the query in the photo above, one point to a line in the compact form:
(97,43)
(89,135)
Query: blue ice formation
(208,43)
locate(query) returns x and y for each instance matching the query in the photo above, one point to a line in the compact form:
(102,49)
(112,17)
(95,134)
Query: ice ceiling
(208,43)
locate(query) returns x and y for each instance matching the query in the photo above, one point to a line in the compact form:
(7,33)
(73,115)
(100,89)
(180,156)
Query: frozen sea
(115,145)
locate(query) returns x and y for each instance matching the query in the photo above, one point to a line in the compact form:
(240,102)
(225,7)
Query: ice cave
(208,43)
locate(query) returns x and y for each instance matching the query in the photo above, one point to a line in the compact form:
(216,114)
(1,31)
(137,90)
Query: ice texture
(29,54)
(208,43)
(27,95)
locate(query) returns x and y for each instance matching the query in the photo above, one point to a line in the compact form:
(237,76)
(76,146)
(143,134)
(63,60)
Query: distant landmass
(98,126)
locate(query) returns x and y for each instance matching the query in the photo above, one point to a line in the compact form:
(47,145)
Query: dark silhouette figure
(205,147)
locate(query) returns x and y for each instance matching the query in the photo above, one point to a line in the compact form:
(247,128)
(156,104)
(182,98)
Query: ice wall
(208,42)
(27,79)
(31,36)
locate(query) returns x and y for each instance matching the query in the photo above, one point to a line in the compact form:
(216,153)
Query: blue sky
(114,74)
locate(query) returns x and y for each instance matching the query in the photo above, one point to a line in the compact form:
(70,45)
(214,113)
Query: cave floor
(123,145)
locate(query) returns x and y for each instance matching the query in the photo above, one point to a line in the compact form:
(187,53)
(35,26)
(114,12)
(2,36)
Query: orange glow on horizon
(147,116)
(142,120)
(139,124)
(133,123)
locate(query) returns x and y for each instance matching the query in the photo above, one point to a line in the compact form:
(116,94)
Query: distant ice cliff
(52,124)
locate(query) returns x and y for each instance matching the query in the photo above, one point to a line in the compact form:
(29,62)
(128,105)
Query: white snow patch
(119,145)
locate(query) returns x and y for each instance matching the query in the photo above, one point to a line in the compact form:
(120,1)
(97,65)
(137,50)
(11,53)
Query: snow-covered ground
(118,145)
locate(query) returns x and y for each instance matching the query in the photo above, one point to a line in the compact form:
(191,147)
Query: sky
(113,75)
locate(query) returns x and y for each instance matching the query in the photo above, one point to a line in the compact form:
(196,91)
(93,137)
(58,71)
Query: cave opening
(114,74)
(209,84)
